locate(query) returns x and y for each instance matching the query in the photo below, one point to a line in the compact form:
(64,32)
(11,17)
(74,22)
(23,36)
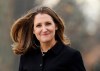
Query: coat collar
(56,48)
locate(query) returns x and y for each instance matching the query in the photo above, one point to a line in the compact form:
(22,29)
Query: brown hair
(22,30)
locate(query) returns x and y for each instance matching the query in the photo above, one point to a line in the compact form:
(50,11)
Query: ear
(33,32)
(56,27)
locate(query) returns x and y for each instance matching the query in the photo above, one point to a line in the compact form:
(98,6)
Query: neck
(46,46)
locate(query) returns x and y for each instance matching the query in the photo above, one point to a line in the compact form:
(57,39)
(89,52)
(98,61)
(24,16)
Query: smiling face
(44,28)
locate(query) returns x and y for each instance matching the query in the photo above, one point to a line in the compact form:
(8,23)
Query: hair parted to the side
(22,29)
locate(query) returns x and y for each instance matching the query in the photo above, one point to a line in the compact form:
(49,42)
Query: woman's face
(44,28)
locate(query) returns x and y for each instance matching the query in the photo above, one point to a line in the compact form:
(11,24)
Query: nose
(44,29)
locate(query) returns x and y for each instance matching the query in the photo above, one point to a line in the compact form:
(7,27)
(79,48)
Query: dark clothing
(59,58)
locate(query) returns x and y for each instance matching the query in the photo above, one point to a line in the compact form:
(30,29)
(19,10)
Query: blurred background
(82,21)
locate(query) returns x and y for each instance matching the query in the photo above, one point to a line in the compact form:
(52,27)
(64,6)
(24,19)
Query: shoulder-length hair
(22,30)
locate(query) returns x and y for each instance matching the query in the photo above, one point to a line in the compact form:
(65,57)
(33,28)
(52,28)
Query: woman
(39,38)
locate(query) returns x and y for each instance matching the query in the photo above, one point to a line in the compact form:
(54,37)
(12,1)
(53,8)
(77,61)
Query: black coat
(59,58)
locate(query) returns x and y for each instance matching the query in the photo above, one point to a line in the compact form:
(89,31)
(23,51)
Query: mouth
(44,34)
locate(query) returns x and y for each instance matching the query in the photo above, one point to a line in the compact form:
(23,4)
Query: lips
(45,34)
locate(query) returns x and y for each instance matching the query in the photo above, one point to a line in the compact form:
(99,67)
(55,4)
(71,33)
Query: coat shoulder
(69,51)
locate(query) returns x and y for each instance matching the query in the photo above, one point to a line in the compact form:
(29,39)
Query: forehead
(41,16)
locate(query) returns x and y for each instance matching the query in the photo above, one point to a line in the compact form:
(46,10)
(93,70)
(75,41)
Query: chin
(44,41)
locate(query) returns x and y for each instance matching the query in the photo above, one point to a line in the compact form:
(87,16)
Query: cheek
(36,32)
(53,31)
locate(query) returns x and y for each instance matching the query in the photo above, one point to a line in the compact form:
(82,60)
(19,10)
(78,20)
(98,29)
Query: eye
(48,23)
(38,25)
